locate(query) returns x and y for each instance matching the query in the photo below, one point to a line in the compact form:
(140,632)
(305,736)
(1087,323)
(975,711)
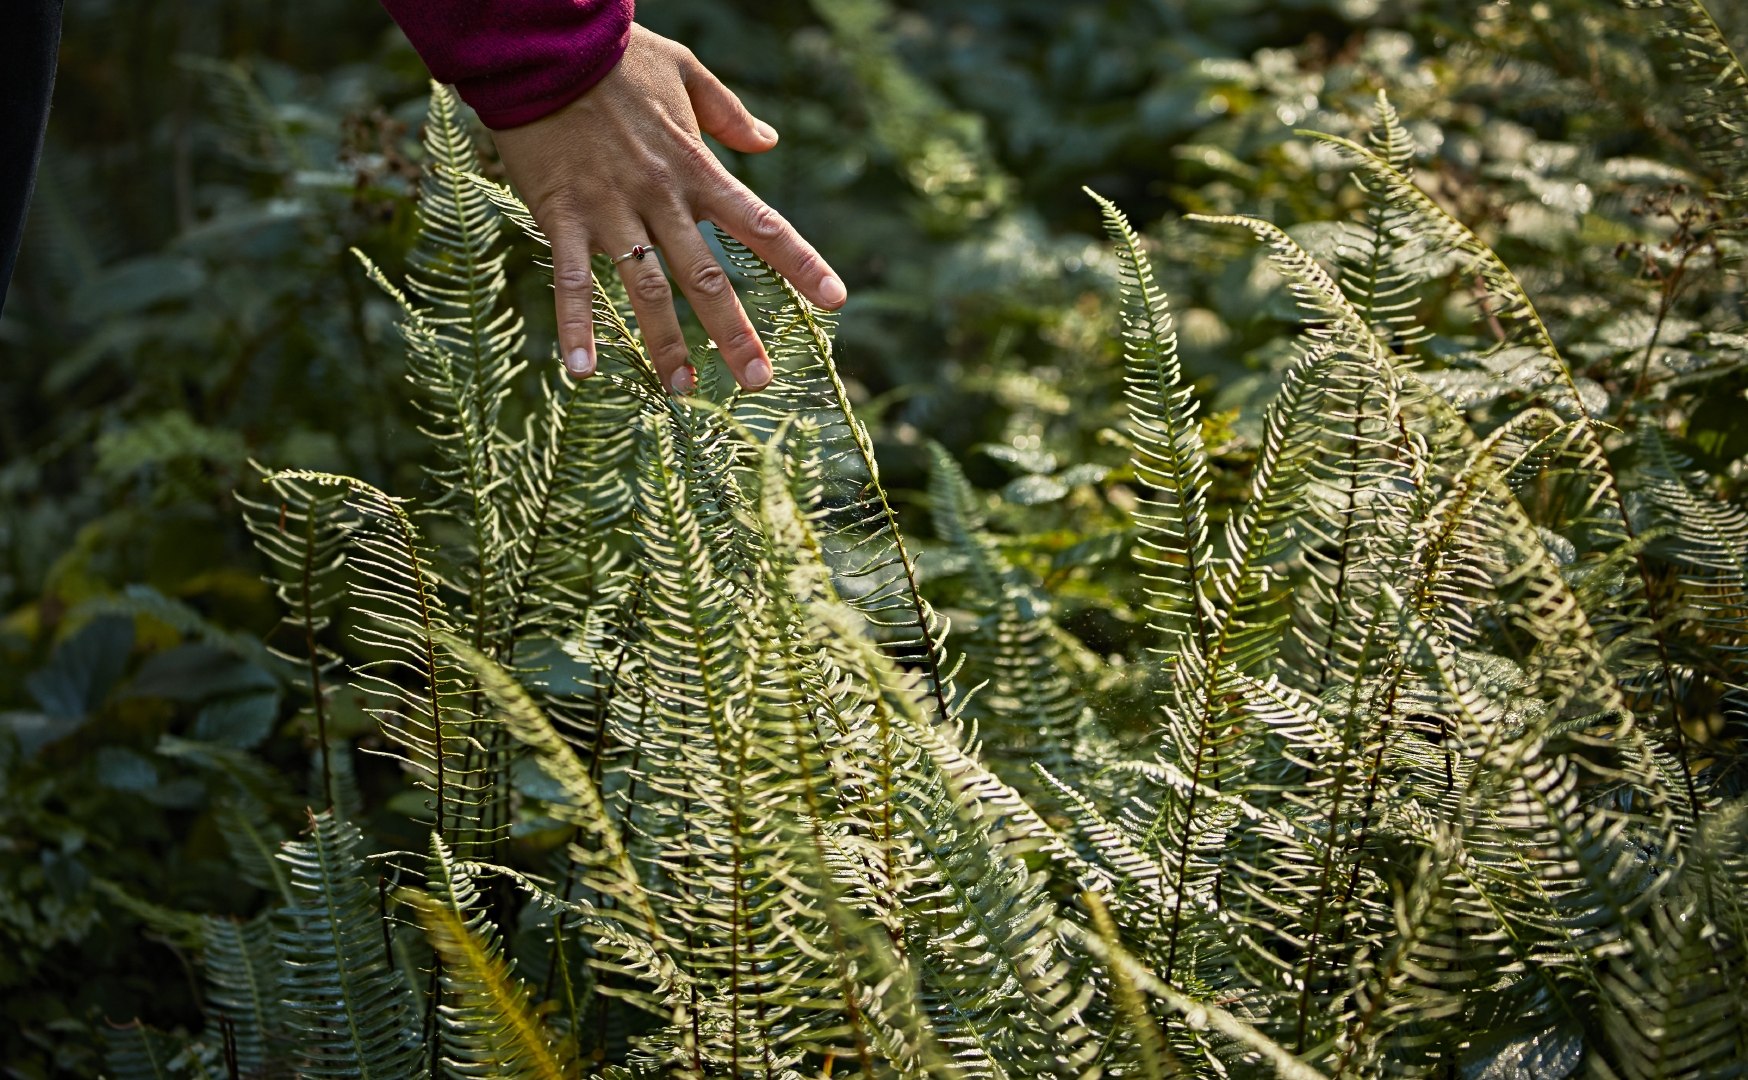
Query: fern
(489,1028)
(243,971)
(1169,457)
(704,799)
(348,1012)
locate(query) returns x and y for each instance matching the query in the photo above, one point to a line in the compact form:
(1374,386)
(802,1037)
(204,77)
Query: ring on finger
(638,251)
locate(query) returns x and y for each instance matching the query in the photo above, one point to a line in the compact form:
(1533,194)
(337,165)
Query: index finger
(749,219)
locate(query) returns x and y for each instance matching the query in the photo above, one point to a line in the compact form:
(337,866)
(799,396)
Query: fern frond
(1028,707)
(349,1013)
(301,531)
(1200,1014)
(1715,110)
(244,978)
(489,1025)
(137,1052)
(1503,295)
(608,867)
(870,557)
(1173,521)
(1379,257)
(426,711)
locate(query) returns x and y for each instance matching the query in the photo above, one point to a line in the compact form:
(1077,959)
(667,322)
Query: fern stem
(317,690)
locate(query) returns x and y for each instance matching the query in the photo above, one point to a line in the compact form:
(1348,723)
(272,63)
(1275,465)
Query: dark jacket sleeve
(516,60)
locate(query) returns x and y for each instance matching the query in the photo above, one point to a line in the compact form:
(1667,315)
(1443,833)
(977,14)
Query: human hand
(625,165)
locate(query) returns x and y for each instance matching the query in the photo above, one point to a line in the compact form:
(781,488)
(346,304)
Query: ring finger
(652,300)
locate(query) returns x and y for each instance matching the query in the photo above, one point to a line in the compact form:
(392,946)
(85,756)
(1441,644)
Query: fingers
(750,220)
(721,114)
(573,289)
(652,300)
(707,286)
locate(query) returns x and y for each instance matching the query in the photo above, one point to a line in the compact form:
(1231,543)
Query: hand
(624,165)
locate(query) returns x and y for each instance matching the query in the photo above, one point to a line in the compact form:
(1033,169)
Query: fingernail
(766,131)
(580,362)
(684,380)
(758,373)
(832,291)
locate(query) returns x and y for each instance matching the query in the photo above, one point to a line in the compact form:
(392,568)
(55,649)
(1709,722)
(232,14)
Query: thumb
(722,116)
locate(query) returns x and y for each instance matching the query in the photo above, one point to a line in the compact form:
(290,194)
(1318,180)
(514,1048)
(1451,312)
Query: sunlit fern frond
(488,1024)
(1168,457)
(301,530)
(1715,105)
(1258,1054)
(875,569)
(1567,873)
(422,700)
(1144,1043)
(565,493)
(463,344)
(1678,1012)
(977,926)
(1349,474)
(1410,996)
(600,852)
(1707,540)
(349,1013)
(1380,256)
(1500,295)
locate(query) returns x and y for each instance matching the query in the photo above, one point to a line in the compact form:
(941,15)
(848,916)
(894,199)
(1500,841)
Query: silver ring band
(638,251)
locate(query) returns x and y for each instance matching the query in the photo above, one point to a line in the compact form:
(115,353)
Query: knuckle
(573,278)
(696,157)
(765,223)
(651,287)
(556,205)
(670,353)
(709,282)
(740,342)
(656,172)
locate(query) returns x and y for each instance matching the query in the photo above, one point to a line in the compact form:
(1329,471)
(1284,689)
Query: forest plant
(1422,790)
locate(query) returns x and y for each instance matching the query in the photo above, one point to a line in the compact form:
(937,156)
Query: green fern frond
(1173,521)
(349,1013)
(1503,296)
(1028,707)
(489,1027)
(869,555)
(426,709)
(1151,1054)
(1708,540)
(245,991)
(1200,1015)
(1715,110)
(137,1052)
(301,531)
(608,867)
(1381,259)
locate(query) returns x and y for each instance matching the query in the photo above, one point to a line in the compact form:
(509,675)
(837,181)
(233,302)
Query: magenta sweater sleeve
(516,60)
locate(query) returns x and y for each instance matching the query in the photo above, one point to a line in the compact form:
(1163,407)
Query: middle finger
(707,285)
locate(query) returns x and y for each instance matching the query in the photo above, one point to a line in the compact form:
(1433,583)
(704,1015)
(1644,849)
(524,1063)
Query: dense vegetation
(653,736)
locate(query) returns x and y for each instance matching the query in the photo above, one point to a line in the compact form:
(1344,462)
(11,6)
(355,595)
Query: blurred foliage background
(186,304)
